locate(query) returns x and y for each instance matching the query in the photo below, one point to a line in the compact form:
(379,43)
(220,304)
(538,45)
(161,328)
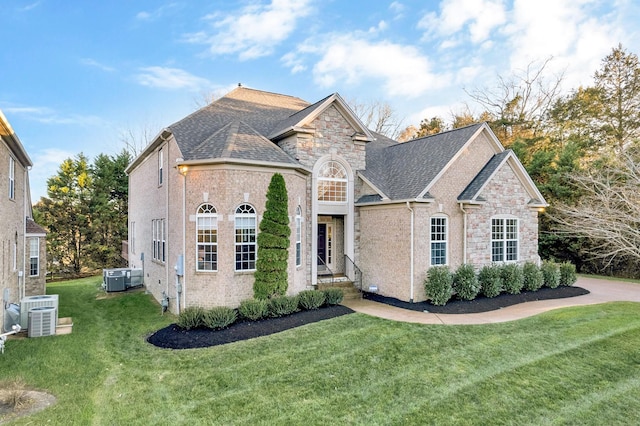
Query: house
(22,241)
(357,200)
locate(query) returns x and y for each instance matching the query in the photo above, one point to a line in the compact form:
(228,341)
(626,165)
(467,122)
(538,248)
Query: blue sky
(77,75)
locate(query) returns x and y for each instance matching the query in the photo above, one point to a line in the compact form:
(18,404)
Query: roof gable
(471,194)
(297,121)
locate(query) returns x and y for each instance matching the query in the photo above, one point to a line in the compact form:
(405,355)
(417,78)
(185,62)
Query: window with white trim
(245,232)
(332,182)
(504,240)
(12,178)
(160,167)
(439,236)
(34,257)
(298,236)
(207,238)
(159,241)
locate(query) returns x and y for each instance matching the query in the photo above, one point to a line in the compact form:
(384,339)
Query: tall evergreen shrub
(273,242)
(465,282)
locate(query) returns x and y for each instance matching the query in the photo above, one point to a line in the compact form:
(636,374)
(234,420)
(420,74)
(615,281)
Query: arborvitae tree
(273,243)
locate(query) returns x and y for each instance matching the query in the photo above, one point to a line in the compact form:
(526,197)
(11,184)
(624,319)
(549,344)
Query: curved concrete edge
(601,290)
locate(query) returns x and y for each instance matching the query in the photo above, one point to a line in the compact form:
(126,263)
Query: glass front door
(325,245)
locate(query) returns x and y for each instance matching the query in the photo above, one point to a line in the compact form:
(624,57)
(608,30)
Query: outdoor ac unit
(48,300)
(42,321)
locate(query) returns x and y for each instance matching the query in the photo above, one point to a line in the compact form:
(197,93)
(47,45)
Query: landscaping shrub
(551,273)
(280,306)
(310,299)
(490,280)
(439,285)
(254,309)
(465,282)
(567,274)
(533,278)
(333,296)
(191,317)
(512,278)
(220,317)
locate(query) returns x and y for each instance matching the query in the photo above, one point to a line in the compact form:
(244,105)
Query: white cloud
(355,60)
(93,63)
(570,31)
(156,14)
(47,115)
(477,18)
(171,78)
(254,31)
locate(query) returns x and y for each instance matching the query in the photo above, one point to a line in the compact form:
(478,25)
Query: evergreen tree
(273,242)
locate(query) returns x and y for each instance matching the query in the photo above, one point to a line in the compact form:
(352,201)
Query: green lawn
(570,366)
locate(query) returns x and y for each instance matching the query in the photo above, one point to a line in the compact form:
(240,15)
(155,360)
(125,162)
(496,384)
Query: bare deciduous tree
(520,102)
(378,116)
(135,140)
(608,212)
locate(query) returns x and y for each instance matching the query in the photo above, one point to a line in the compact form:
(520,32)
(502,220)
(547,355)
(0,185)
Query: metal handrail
(356,278)
(328,269)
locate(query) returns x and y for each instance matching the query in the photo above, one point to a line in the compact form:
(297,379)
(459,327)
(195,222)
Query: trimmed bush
(533,278)
(333,296)
(191,317)
(551,273)
(254,309)
(490,280)
(220,317)
(310,299)
(512,278)
(465,282)
(567,274)
(439,285)
(280,306)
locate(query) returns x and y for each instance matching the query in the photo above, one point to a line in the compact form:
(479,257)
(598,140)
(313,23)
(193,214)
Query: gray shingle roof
(472,190)
(405,170)
(205,133)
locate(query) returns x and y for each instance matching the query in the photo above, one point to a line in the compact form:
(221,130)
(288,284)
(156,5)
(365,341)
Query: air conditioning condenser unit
(42,321)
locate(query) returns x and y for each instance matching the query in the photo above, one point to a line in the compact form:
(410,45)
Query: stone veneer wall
(505,197)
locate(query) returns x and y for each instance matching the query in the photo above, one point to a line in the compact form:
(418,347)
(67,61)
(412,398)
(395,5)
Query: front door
(325,246)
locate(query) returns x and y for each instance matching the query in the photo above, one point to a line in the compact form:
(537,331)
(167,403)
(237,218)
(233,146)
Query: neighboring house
(197,193)
(22,241)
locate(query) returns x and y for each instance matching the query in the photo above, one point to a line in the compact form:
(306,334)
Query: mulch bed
(481,303)
(173,337)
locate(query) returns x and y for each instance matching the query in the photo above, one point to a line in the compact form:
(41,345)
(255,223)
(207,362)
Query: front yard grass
(571,366)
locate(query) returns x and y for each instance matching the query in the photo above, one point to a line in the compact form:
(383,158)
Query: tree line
(85,214)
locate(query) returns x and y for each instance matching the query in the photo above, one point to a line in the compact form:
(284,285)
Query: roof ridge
(422,138)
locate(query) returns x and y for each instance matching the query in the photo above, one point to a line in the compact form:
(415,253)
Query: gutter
(411,253)
(404,201)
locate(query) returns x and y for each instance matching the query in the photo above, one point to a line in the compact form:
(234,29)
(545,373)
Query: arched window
(332,182)
(207,238)
(245,226)
(298,236)
(439,236)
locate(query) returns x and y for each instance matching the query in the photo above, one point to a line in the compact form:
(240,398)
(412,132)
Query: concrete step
(347,287)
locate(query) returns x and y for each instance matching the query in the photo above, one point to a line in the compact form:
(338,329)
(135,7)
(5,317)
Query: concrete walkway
(601,291)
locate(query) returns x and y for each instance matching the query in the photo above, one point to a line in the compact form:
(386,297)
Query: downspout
(411,254)
(184,240)
(464,234)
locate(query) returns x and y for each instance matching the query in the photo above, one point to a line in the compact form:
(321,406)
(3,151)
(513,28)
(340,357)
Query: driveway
(600,291)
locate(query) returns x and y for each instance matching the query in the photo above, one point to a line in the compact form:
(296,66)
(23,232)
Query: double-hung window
(207,238)
(12,178)
(34,256)
(159,241)
(245,230)
(504,240)
(298,236)
(160,167)
(438,238)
